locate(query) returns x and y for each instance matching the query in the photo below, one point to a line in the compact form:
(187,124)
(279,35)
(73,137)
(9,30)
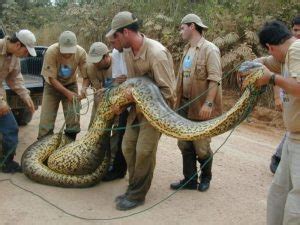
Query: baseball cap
(27,38)
(193,18)
(120,20)
(96,52)
(67,42)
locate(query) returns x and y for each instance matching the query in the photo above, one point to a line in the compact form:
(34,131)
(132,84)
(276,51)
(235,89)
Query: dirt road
(241,178)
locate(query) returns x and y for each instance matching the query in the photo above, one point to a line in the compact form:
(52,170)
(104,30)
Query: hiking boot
(192,185)
(11,167)
(204,184)
(126,204)
(120,198)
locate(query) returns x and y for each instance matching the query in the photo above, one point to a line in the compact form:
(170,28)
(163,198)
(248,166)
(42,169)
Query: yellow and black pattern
(84,162)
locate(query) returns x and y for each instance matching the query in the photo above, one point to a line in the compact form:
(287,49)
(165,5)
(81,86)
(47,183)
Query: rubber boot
(206,174)
(189,171)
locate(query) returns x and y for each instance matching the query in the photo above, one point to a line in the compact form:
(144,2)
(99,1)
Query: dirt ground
(241,178)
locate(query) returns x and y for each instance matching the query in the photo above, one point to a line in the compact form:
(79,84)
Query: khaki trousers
(139,148)
(50,104)
(201,146)
(283,205)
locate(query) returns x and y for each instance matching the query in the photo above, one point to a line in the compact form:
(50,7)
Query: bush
(232,23)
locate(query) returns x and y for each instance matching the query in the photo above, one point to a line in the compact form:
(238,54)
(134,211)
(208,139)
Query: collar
(198,45)
(143,50)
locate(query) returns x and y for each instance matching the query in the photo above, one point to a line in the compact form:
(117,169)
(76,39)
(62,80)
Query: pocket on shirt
(200,72)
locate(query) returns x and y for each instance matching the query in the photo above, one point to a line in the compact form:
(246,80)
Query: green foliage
(11,17)
(233,24)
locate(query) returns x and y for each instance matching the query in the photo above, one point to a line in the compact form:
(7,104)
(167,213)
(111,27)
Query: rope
(118,217)
(247,112)
(106,92)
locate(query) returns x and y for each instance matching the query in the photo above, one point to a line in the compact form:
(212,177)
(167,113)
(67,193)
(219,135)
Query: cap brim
(31,51)
(68,50)
(110,33)
(203,26)
(93,59)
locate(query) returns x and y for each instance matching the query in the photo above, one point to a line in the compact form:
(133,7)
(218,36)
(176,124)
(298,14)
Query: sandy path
(237,195)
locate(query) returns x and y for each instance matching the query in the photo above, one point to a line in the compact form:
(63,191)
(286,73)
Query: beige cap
(96,52)
(67,42)
(193,18)
(120,20)
(27,38)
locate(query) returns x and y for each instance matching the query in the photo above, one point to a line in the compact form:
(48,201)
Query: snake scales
(54,161)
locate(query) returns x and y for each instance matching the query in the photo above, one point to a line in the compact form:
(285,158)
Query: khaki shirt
(10,71)
(96,76)
(206,66)
(271,63)
(154,61)
(291,104)
(53,61)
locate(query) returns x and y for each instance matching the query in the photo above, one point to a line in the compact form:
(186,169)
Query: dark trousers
(9,130)
(139,149)
(119,163)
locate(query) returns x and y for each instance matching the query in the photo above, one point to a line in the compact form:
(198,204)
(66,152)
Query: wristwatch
(209,104)
(272,79)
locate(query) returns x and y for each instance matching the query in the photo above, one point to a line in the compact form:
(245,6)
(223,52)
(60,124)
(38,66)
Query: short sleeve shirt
(10,71)
(291,104)
(204,65)
(62,69)
(187,66)
(96,76)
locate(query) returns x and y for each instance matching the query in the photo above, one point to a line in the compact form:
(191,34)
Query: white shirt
(118,64)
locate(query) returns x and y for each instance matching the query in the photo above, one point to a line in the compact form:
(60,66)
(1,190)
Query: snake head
(249,72)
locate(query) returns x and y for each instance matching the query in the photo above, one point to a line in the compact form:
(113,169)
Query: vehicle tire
(23,116)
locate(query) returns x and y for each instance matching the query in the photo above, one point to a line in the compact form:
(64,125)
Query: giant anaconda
(83,163)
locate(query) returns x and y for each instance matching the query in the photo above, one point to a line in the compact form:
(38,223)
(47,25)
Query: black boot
(189,172)
(71,135)
(206,175)
(118,169)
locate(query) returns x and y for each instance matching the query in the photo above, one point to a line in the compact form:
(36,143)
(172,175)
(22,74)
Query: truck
(31,70)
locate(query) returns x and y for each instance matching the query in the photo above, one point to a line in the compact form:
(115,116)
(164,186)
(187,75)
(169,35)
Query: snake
(55,160)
